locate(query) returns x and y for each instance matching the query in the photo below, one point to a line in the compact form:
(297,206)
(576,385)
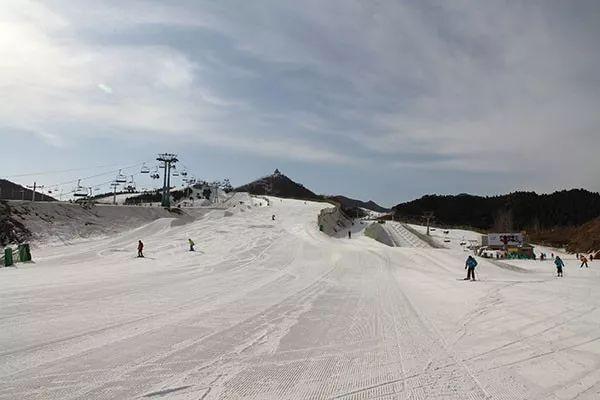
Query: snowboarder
(140,248)
(470,265)
(559,266)
(349,234)
(583,262)
(192,244)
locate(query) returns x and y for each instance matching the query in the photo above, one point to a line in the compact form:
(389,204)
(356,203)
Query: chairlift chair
(145,169)
(120,178)
(80,191)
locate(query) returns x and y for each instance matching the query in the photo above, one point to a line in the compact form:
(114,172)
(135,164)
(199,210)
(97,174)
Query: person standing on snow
(349,234)
(583,262)
(140,248)
(559,266)
(470,265)
(192,244)
(273,217)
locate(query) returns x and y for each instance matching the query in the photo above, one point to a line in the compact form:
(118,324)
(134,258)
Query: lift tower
(167,159)
(428,216)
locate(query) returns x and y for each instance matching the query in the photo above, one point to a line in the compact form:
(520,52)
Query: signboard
(505,239)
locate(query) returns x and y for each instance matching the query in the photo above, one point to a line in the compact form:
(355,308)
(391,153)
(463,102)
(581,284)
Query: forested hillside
(514,211)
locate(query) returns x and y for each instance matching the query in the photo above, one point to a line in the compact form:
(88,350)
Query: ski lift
(130,185)
(80,191)
(120,178)
(145,169)
(155,174)
(175,173)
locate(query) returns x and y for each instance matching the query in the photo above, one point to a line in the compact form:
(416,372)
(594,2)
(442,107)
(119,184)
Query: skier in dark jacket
(192,244)
(140,248)
(559,266)
(470,265)
(583,262)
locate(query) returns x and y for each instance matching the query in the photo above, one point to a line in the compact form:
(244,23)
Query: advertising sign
(505,239)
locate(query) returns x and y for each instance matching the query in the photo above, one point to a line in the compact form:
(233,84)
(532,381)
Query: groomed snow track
(402,237)
(277,310)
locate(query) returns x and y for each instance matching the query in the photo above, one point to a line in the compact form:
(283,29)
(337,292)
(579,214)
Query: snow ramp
(394,234)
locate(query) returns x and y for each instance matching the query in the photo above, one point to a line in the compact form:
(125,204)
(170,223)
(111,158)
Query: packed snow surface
(277,310)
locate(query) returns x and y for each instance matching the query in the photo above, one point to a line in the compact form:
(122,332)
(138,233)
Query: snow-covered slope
(60,222)
(278,310)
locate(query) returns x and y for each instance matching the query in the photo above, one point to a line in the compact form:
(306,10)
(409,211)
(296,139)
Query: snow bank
(378,232)
(334,222)
(57,222)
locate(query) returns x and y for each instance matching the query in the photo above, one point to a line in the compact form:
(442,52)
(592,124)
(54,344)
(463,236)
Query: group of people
(140,247)
(471,263)
(560,264)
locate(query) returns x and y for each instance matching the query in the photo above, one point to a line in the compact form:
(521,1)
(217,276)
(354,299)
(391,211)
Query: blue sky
(381,100)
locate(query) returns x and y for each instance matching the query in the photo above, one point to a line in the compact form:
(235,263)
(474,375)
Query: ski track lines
(402,237)
(276,310)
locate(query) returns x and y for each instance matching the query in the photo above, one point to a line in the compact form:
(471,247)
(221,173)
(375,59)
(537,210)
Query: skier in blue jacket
(559,266)
(470,265)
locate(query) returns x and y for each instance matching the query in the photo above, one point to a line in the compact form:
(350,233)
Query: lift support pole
(167,159)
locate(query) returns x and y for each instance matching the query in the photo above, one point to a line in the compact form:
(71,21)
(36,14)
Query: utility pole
(428,217)
(33,191)
(114,185)
(167,159)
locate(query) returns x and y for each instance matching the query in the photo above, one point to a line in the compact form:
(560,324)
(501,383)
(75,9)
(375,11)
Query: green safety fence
(8,257)
(23,253)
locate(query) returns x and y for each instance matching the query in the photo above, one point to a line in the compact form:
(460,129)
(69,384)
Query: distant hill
(349,203)
(515,211)
(12,191)
(581,239)
(277,184)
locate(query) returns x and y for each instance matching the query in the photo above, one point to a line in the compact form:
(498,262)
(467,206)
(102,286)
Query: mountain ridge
(279,185)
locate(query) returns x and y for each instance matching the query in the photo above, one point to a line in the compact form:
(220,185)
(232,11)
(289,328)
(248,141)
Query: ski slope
(277,310)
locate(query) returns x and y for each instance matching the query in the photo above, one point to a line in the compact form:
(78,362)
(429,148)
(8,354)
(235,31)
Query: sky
(381,100)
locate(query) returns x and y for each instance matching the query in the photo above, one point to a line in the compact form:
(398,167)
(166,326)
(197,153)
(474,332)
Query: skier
(559,266)
(192,244)
(470,265)
(140,248)
(273,217)
(349,234)
(583,262)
